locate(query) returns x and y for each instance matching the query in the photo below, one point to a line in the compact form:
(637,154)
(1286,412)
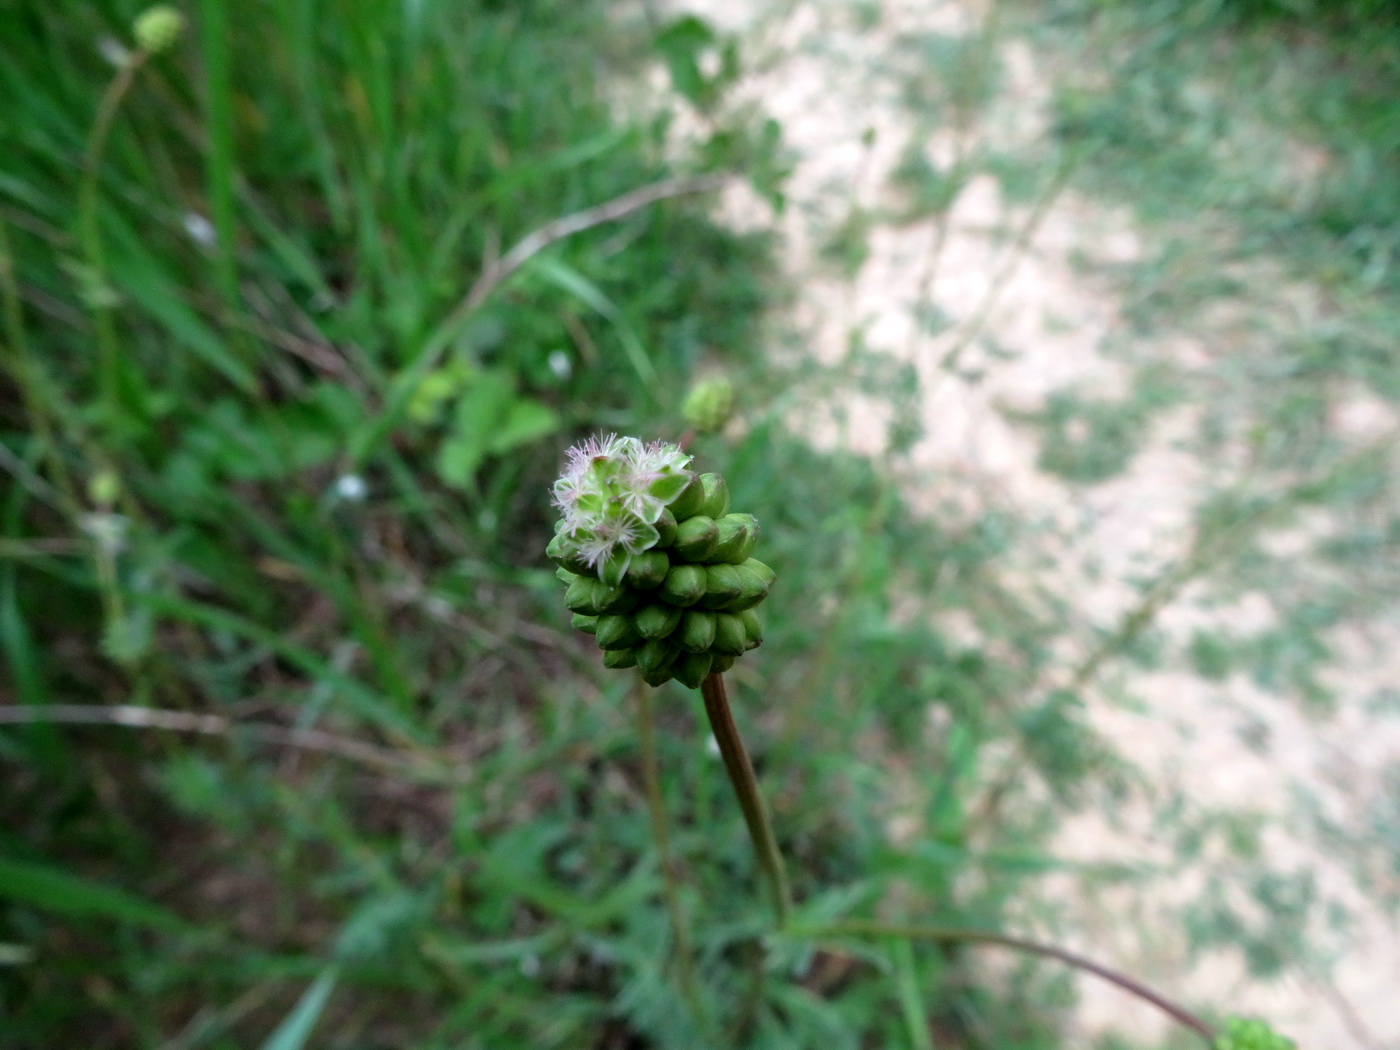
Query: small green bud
(616,632)
(617,659)
(716,496)
(656,655)
(755,588)
(580,597)
(738,534)
(729,634)
(657,677)
(104,488)
(564,576)
(665,529)
(586,624)
(647,570)
(722,586)
(753,630)
(614,570)
(721,663)
(689,502)
(566,558)
(684,584)
(709,405)
(696,538)
(657,621)
(690,669)
(697,631)
(157,28)
(769,576)
(612,600)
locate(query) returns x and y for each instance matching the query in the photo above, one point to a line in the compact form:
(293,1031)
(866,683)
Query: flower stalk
(741,775)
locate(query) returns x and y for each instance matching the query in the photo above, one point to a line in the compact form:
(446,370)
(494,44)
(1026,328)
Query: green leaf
(297,1026)
(525,421)
(681,44)
(53,889)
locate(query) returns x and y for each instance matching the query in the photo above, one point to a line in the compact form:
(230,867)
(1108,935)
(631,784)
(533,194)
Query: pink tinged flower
(612,492)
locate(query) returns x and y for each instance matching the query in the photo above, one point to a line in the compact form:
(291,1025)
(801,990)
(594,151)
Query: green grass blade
(297,1026)
(53,889)
(218,127)
(911,1001)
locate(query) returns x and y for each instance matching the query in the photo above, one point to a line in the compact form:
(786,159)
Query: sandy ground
(828,74)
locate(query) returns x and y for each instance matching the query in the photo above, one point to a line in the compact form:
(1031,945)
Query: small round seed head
(157,28)
(709,405)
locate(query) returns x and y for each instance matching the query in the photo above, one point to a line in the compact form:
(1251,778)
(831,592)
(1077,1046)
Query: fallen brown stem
(210,725)
(534,243)
(952,935)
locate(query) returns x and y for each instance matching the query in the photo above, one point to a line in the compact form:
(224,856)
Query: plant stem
(651,777)
(97,293)
(741,775)
(952,935)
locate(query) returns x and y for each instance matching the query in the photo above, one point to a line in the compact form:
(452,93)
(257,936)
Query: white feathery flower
(610,496)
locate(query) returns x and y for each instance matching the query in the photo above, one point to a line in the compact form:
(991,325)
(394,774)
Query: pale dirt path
(829,83)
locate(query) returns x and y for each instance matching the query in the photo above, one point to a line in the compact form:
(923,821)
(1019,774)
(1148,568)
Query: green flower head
(657,569)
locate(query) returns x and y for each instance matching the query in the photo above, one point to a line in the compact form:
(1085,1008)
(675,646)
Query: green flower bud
(567,558)
(709,405)
(721,663)
(619,658)
(738,534)
(753,630)
(689,502)
(656,621)
(157,28)
(690,669)
(695,539)
(612,600)
(770,577)
(564,576)
(614,570)
(586,624)
(660,676)
(579,597)
(655,655)
(616,632)
(716,496)
(729,634)
(666,529)
(722,586)
(104,488)
(697,631)
(684,584)
(755,588)
(647,570)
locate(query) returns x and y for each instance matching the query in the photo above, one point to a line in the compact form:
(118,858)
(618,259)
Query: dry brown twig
(132,717)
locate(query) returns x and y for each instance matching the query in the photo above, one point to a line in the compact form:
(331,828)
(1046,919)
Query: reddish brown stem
(950,935)
(741,775)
